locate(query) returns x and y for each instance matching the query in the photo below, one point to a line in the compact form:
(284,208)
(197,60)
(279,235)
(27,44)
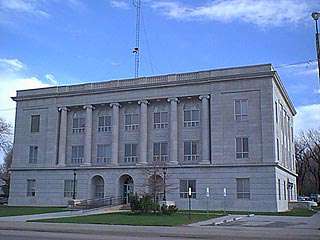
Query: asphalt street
(257,227)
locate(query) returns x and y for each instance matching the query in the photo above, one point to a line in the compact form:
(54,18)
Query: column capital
(63,108)
(114,104)
(204,97)
(88,106)
(173,99)
(143,101)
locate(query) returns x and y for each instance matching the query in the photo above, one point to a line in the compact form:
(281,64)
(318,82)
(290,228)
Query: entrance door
(127,191)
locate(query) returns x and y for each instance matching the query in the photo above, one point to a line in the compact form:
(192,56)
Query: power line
(296,63)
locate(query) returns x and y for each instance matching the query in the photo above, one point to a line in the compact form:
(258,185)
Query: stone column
(173,141)
(88,135)
(115,133)
(63,136)
(143,131)
(205,130)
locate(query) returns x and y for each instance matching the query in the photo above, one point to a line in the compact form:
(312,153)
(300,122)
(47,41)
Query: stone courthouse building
(227,130)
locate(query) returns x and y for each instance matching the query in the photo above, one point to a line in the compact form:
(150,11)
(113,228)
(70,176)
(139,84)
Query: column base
(204,162)
(173,163)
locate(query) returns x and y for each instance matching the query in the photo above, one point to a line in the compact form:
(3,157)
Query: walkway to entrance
(126,187)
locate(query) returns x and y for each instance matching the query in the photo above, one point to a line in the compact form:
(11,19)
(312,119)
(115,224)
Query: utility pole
(136,49)
(316,16)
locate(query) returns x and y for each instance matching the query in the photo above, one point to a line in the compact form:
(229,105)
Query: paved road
(258,227)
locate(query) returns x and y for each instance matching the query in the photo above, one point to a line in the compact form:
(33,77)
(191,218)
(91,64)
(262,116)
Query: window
(278,150)
(35,123)
(276,110)
(284,190)
(104,124)
(279,189)
(184,188)
(160,120)
(160,151)
(130,153)
(33,154)
(191,118)
(77,154)
(131,122)
(31,187)
(243,188)
(241,109)
(68,188)
(103,154)
(78,124)
(242,147)
(191,151)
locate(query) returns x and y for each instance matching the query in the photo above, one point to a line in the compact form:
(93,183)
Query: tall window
(241,109)
(284,190)
(191,118)
(131,121)
(33,154)
(77,154)
(31,187)
(35,123)
(242,147)
(68,188)
(243,188)
(130,153)
(160,120)
(279,189)
(104,124)
(184,188)
(78,124)
(160,151)
(103,154)
(276,110)
(278,150)
(191,150)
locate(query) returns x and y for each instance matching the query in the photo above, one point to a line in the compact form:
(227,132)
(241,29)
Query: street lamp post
(74,184)
(164,184)
(316,16)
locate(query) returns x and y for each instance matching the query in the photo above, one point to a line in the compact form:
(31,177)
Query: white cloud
(11,64)
(23,6)
(51,78)
(259,12)
(8,89)
(122,4)
(307,117)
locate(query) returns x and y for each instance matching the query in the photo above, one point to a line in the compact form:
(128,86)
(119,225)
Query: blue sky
(48,42)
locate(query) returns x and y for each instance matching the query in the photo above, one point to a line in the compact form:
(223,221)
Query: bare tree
(307,150)
(156,182)
(5,172)
(5,135)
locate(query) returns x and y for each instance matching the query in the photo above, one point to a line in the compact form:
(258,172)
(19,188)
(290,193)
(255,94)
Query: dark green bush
(143,204)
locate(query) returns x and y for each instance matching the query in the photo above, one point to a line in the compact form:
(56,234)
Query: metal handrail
(109,201)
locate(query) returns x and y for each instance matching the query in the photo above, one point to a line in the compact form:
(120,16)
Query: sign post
(224,199)
(208,195)
(189,196)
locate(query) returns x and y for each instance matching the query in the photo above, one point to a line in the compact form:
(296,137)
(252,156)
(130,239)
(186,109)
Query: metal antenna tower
(136,49)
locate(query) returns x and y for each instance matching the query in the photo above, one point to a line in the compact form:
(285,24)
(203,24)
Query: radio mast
(136,49)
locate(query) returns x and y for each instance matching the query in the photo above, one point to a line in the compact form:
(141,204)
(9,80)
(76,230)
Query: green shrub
(168,210)
(143,204)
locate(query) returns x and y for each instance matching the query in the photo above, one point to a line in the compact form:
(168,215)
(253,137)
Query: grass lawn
(136,219)
(6,211)
(293,212)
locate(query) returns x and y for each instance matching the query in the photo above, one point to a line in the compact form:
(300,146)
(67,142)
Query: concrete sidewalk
(217,221)
(74,213)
